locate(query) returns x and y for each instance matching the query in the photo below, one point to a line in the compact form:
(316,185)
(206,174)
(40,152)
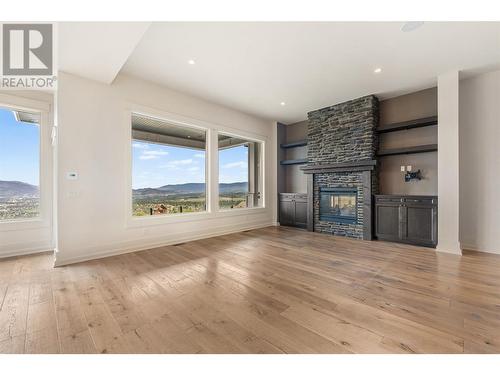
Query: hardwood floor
(272,290)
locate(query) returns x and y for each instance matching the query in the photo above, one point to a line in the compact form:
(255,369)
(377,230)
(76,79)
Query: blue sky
(153,165)
(19,149)
(157,165)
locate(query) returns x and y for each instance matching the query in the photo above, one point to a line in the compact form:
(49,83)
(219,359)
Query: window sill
(146,221)
(22,224)
(156,220)
(240,211)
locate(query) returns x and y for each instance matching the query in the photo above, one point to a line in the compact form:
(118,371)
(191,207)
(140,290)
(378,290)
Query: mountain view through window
(19,165)
(169,173)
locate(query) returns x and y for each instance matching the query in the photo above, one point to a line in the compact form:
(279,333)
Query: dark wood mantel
(364,165)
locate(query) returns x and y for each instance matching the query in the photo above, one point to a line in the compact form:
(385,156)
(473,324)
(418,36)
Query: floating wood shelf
(364,165)
(412,124)
(408,150)
(293,161)
(294,144)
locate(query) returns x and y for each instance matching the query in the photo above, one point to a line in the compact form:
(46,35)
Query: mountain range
(190,188)
(12,189)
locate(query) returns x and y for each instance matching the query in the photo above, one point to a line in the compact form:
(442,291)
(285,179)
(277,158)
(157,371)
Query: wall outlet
(408,168)
(403,169)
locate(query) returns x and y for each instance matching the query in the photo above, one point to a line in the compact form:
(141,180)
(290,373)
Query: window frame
(45,170)
(180,121)
(262,174)
(211,168)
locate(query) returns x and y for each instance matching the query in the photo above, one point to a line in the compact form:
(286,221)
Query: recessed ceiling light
(377,70)
(282,104)
(411,26)
(191,62)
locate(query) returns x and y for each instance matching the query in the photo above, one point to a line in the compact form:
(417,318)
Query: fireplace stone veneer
(342,144)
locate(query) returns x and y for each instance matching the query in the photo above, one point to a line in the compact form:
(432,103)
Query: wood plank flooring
(272,290)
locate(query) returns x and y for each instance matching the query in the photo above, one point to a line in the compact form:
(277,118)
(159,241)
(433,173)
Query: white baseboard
(478,248)
(24,251)
(133,246)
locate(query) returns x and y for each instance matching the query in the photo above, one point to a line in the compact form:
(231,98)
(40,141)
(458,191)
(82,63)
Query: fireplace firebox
(338,204)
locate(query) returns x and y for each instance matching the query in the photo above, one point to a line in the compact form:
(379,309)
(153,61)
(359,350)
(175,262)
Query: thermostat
(72,176)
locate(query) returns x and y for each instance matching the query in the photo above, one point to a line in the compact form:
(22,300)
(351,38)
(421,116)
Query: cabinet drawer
(301,197)
(388,199)
(417,199)
(426,200)
(293,196)
(286,196)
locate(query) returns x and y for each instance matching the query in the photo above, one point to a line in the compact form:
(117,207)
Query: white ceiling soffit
(97,50)
(254,67)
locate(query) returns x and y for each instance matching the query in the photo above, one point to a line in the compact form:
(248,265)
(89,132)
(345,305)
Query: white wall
(448,163)
(94,140)
(31,236)
(479,162)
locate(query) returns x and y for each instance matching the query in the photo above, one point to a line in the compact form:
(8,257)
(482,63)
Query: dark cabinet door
(408,219)
(420,226)
(293,209)
(287,212)
(301,213)
(387,219)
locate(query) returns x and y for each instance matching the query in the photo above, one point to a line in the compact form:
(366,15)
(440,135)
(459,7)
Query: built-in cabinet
(406,208)
(406,218)
(293,209)
(291,181)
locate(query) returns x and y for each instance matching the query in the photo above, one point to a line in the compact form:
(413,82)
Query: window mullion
(213,171)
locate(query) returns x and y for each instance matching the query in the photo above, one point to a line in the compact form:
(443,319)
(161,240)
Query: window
(19,164)
(168,167)
(240,173)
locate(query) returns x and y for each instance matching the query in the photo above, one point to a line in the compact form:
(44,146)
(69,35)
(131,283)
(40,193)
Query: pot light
(411,26)
(377,70)
(282,104)
(191,62)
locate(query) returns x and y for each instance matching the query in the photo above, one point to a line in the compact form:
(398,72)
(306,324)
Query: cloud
(155,153)
(177,164)
(147,157)
(152,154)
(201,156)
(236,164)
(140,145)
(193,169)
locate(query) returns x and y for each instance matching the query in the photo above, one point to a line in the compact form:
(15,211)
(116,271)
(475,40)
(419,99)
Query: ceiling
(149,129)
(97,50)
(254,67)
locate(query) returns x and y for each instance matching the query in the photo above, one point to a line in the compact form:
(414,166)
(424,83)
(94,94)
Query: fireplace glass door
(338,205)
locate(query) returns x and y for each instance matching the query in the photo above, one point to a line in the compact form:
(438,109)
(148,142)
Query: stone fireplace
(341,169)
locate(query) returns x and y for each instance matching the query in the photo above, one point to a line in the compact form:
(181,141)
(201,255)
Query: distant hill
(191,188)
(12,189)
(235,187)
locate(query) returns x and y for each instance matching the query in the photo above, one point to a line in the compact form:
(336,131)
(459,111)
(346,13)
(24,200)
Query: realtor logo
(27,56)
(27,49)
